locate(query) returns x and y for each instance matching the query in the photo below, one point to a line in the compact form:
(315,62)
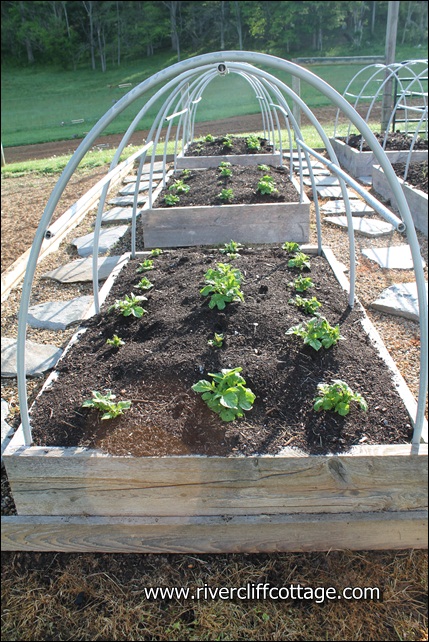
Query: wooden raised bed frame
(416,199)
(77,499)
(359,164)
(200,162)
(218,224)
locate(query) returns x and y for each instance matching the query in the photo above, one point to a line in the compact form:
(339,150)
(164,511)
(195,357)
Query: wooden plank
(213,225)
(111,485)
(243,160)
(271,223)
(227,534)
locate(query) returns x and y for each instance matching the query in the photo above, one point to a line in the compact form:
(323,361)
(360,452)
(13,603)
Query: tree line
(108,33)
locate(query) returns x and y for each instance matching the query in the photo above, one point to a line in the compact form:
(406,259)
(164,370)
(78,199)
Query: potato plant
(226,195)
(252,142)
(106,405)
(226,394)
(338,396)
(130,306)
(317,333)
(266,185)
(217,341)
(302,283)
(300,261)
(115,341)
(309,306)
(231,249)
(222,285)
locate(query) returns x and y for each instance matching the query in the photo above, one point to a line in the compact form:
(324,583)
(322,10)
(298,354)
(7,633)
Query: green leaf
(229,399)
(318,405)
(137,312)
(342,408)
(202,386)
(227,415)
(363,404)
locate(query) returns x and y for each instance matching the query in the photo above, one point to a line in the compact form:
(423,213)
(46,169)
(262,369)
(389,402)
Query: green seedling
(302,283)
(185,173)
(231,249)
(291,247)
(266,185)
(209,138)
(225,172)
(223,284)
(317,333)
(338,396)
(179,187)
(227,141)
(171,199)
(156,252)
(224,164)
(217,341)
(146,266)
(226,394)
(252,142)
(300,261)
(263,168)
(115,341)
(144,284)
(226,195)
(130,306)
(310,306)
(106,405)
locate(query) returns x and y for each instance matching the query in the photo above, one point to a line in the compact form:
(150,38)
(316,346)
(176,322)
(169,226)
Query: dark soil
(395,141)
(166,352)
(206,185)
(417,175)
(217,147)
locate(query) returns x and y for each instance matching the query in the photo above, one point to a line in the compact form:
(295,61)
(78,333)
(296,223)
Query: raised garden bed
(359,162)
(234,149)
(170,475)
(414,188)
(202,217)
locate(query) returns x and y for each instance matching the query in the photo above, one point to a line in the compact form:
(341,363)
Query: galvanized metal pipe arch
(395,69)
(165,75)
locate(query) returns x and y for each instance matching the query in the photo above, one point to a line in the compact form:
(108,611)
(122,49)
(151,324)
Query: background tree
(103,33)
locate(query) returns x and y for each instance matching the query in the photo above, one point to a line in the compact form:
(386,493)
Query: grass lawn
(41,105)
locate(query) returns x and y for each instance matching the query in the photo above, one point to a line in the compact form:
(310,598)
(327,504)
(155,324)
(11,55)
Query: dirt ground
(64,147)
(233,125)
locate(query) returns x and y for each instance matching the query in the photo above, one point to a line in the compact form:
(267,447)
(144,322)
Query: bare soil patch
(396,141)
(417,175)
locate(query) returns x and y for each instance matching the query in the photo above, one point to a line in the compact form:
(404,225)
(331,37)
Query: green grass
(43,105)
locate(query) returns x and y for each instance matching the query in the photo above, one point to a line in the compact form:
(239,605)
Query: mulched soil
(166,352)
(417,175)
(206,185)
(237,146)
(395,141)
